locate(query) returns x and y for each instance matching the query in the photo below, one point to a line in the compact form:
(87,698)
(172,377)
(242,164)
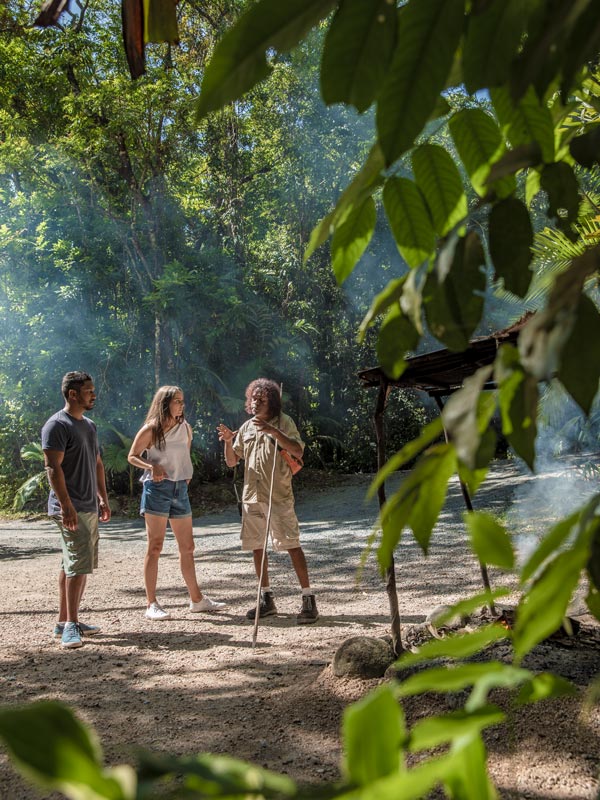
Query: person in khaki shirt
(257,442)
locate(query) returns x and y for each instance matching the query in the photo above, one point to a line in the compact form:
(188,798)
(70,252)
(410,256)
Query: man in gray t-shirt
(77,496)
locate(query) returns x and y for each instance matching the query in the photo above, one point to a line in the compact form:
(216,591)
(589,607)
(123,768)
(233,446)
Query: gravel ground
(195,684)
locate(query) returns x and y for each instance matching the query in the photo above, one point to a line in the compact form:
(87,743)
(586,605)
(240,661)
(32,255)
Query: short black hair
(73,380)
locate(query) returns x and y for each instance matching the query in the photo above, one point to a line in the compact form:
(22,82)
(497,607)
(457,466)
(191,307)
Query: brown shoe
(266,608)
(309,612)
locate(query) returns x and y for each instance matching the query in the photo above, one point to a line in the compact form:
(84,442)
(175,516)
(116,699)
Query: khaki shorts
(80,547)
(284,529)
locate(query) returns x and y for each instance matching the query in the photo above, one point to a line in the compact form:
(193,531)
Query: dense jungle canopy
(149,244)
(147,249)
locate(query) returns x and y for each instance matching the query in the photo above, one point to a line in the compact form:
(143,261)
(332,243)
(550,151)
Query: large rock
(362,657)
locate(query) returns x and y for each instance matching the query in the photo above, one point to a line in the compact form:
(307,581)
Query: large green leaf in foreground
(239,61)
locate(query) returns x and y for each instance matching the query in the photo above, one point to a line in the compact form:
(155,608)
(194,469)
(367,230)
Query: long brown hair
(158,414)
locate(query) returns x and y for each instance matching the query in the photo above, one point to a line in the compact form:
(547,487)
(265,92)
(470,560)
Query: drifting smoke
(567,470)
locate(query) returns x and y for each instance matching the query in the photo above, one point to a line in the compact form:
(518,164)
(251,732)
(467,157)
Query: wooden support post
(467,498)
(390,573)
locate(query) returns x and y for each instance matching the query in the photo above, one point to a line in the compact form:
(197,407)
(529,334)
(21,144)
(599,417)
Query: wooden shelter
(439,374)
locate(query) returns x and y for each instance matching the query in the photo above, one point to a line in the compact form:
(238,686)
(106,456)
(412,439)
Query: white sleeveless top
(175,458)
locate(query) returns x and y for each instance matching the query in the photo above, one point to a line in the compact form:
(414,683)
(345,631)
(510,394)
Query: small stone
(362,657)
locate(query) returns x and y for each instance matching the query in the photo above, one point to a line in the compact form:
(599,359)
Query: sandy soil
(195,684)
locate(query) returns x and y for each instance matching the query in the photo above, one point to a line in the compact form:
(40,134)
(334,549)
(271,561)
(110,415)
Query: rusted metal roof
(442,372)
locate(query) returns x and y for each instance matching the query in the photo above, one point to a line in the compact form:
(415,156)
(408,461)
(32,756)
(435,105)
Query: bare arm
(226,435)
(142,441)
(101,489)
(53,461)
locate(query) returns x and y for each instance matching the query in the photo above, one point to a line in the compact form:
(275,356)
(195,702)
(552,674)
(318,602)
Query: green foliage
(366,36)
(31,487)
(414,65)
(148,251)
(490,540)
(511,238)
(49,744)
(374,736)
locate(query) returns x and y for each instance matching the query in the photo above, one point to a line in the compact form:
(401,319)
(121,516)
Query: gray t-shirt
(78,440)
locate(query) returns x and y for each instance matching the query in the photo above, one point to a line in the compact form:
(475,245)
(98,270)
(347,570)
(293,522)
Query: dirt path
(194,683)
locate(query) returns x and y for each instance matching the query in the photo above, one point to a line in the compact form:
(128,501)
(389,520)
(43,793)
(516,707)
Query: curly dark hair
(269,389)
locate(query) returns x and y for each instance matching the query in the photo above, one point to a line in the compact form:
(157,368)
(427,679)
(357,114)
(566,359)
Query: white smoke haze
(567,470)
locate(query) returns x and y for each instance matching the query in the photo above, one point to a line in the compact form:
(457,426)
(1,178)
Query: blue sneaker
(86,630)
(71,636)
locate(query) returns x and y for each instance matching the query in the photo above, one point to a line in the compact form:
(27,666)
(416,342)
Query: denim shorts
(166,499)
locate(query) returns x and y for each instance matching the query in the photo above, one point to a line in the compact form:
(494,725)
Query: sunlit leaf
(439,180)
(410,220)
(418,501)
(357,51)
(527,121)
(592,601)
(593,565)
(544,686)
(351,238)
(465,607)
(412,784)
(365,182)
(456,647)
(479,144)
(471,781)
(460,416)
(239,60)
(525,156)
(386,298)
(396,338)
(432,431)
(543,608)
(490,540)
(429,32)
(456,678)
(53,748)
(374,734)
(434,731)
(549,544)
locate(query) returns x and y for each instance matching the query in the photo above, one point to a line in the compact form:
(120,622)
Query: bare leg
(155,530)
(258,557)
(182,528)
(62,596)
(74,590)
(300,566)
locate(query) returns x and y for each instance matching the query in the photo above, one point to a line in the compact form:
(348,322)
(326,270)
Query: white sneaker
(206,604)
(154,611)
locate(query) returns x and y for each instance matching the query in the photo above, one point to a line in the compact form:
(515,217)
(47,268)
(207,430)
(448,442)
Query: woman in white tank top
(162,449)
